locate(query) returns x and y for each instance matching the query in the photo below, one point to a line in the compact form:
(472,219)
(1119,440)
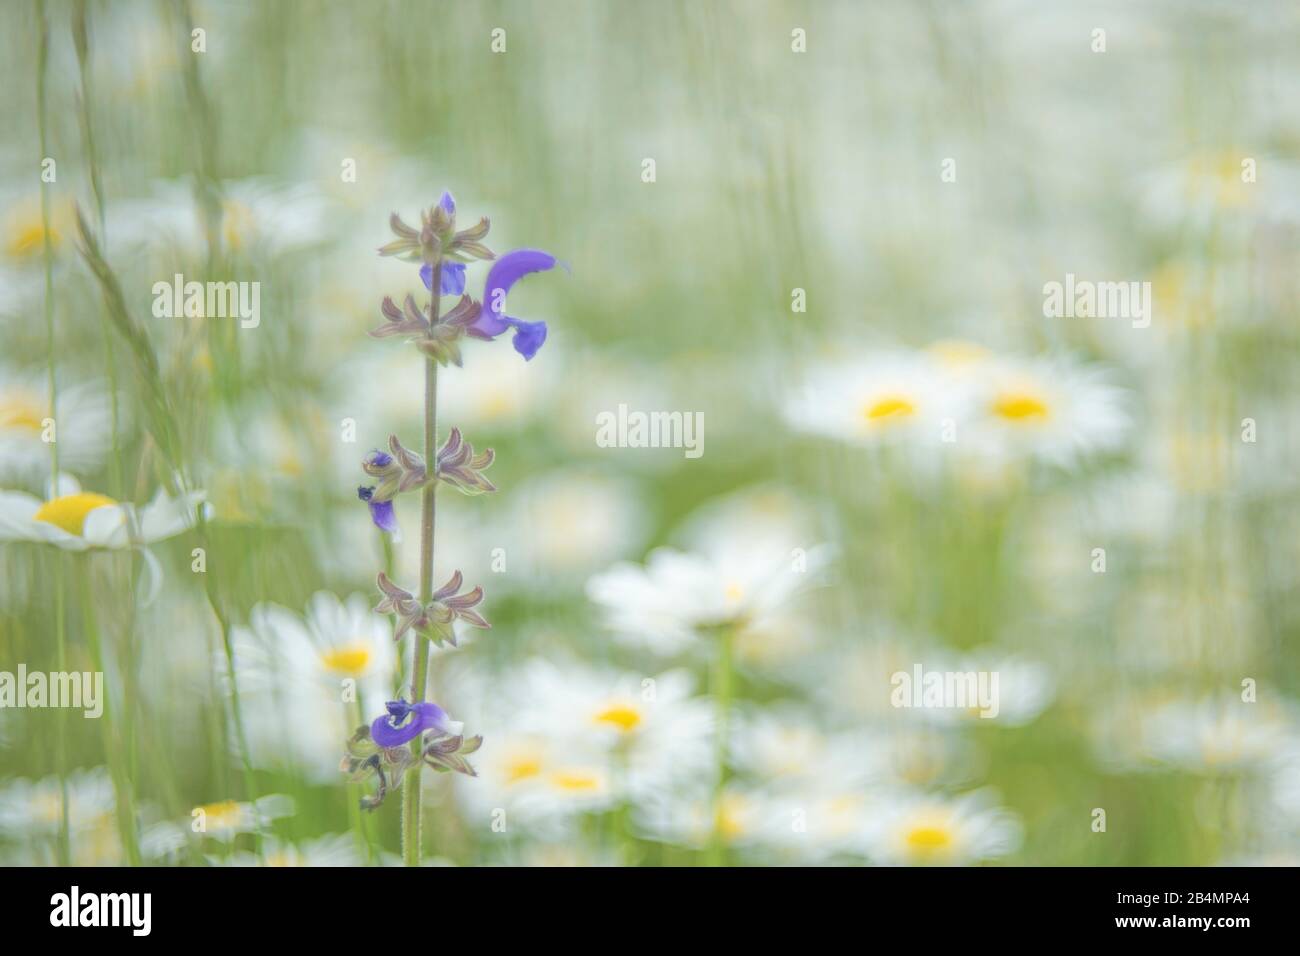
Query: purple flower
(406,721)
(447,203)
(451,280)
(505,272)
(381,512)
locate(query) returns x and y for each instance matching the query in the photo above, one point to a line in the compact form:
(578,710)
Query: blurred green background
(776,169)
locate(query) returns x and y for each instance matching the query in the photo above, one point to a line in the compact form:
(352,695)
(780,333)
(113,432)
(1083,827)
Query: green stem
(124,799)
(61,748)
(47,255)
(720,687)
(411,842)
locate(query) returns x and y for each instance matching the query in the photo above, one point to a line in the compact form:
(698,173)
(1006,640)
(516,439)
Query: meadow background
(775,171)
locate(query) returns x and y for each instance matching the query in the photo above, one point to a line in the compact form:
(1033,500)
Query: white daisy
(1232,182)
(81,429)
(1051,410)
(648,729)
(741,817)
(740,575)
(222,821)
(889,398)
(918,828)
(35,807)
(77,520)
(1217,734)
(337,849)
(307,681)
(258,216)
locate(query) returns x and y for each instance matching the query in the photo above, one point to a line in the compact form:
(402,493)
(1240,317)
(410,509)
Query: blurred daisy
(1222,182)
(338,849)
(780,746)
(649,730)
(568,523)
(881,399)
(676,597)
(915,828)
(222,821)
(1046,409)
(739,576)
(77,520)
(1220,734)
(1024,689)
(742,817)
(35,807)
(822,822)
(83,429)
(307,681)
(23,232)
(258,216)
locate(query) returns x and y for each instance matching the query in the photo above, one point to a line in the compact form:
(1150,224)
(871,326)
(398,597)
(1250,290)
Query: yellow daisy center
(224,813)
(575,781)
(1219,174)
(734,592)
(69,511)
(625,717)
(929,838)
(19,410)
(350,659)
(522,766)
(239,225)
(955,353)
(730,819)
(1020,407)
(888,408)
(26,237)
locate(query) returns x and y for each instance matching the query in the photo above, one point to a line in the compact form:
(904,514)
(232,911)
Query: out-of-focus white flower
(740,575)
(83,427)
(35,807)
(76,520)
(741,817)
(307,681)
(1024,689)
(883,399)
(1222,183)
(263,453)
(258,216)
(566,524)
(676,597)
(918,828)
(222,821)
(781,746)
(579,739)
(1050,410)
(23,232)
(337,849)
(1217,734)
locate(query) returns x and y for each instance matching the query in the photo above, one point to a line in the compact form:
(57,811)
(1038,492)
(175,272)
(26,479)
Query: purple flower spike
(447,203)
(451,280)
(390,731)
(529,337)
(505,272)
(381,512)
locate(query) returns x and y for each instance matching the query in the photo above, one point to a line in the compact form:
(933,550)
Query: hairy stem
(420,664)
